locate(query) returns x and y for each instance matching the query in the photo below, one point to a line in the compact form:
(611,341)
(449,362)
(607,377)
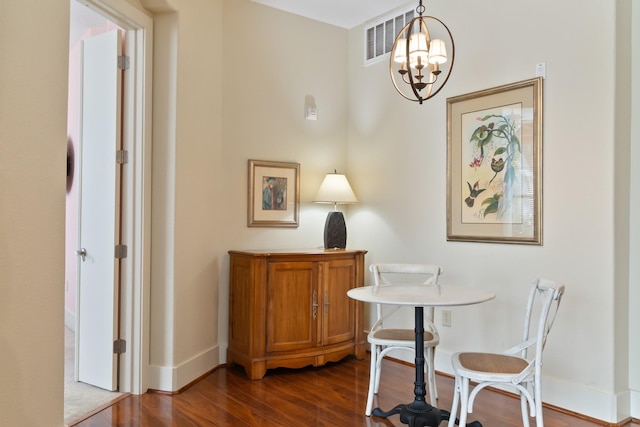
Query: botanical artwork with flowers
(492,166)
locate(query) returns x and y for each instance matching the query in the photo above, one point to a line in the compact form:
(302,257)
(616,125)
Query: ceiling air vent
(380,35)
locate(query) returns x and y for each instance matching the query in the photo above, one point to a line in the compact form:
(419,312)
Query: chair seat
(490,363)
(383,336)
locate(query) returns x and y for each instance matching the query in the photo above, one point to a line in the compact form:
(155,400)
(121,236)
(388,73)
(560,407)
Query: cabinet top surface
(316,251)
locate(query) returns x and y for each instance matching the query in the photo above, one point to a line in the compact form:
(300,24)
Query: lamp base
(335,231)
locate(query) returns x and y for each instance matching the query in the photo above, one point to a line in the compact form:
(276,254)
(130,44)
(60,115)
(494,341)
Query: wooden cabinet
(291,309)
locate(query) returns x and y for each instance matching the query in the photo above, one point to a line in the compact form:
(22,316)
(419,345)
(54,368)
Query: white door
(99,216)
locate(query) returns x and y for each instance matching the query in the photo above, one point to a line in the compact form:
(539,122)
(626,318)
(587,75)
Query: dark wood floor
(333,395)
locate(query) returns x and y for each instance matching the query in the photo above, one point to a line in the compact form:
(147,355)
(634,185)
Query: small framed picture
(274,194)
(494,165)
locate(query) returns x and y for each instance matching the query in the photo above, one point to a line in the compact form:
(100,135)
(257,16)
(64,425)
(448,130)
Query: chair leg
(464,400)
(525,410)
(454,405)
(539,420)
(538,397)
(431,376)
(372,379)
(378,369)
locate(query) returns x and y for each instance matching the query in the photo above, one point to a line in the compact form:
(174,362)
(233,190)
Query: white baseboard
(584,400)
(634,399)
(170,379)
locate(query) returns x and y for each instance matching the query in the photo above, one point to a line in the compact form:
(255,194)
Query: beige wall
(224,93)
(186,208)
(268,75)
(228,89)
(634,198)
(33,105)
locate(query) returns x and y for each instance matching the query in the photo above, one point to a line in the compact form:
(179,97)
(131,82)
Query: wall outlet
(446,317)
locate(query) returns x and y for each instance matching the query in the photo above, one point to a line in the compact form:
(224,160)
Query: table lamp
(335,189)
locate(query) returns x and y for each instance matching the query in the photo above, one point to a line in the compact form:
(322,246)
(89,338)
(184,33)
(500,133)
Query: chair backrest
(545,296)
(383,274)
(390,274)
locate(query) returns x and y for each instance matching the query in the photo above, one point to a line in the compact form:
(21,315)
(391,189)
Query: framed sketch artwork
(274,194)
(494,159)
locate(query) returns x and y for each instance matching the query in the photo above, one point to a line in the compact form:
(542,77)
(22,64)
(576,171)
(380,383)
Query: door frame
(136,191)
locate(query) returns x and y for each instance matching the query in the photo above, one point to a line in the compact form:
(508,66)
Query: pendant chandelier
(419,64)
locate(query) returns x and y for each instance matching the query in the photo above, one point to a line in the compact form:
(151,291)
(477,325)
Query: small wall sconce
(310,108)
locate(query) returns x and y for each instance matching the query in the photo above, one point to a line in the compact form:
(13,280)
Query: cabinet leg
(256,371)
(361,351)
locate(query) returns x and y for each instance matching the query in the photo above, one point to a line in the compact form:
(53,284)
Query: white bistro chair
(517,368)
(384,340)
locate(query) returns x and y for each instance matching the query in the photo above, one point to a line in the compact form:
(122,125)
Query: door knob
(82,252)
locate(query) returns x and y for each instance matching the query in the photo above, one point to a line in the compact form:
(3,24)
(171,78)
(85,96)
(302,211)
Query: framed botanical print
(494,164)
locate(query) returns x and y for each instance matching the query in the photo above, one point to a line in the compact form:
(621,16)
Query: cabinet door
(292,290)
(339,311)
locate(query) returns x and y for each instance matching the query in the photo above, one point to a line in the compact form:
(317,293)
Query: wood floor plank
(330,396)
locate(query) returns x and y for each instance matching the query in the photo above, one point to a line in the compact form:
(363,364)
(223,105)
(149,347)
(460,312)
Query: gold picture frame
(494,165)
(274,194)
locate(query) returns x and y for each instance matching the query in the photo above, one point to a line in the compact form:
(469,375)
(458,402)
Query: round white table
(419,413)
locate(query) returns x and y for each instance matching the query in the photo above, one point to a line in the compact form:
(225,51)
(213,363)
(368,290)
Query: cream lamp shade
(335,189)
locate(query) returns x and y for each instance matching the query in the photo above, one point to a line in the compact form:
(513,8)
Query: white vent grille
(380,35)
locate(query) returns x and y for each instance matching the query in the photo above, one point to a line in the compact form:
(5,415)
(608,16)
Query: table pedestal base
(420,414)
(416,414)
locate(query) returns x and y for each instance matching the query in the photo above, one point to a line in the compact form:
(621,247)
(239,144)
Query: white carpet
(80,399)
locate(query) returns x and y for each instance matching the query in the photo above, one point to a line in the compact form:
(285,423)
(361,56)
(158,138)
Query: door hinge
(119,346)
(123,62)
(121,251)
(122,157)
